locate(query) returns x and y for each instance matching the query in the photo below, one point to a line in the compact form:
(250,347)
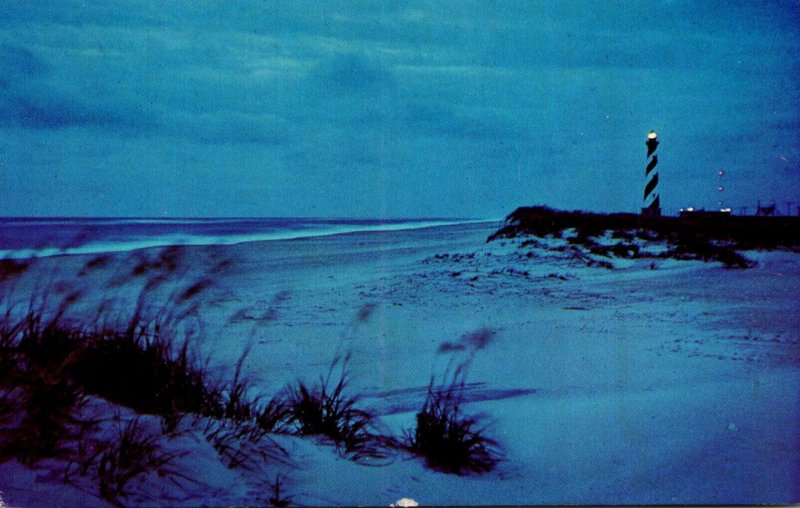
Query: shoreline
(179,239)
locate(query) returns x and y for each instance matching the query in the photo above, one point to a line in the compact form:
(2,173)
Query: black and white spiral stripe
(652,200)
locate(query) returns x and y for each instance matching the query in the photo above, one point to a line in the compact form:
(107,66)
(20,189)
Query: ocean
(41,237)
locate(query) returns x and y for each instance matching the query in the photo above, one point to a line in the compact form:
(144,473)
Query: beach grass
(138,358)
(132,452)
(150,368)
(326,409)
(449,440)
(53,365)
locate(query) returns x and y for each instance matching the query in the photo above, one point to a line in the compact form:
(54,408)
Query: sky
(394,109)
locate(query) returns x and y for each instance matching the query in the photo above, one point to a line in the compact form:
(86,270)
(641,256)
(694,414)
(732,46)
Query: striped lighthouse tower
(652,201)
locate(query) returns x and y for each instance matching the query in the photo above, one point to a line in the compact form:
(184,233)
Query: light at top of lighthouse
(652,135)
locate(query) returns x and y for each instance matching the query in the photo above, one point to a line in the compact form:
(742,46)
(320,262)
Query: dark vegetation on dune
(104,393)
(445,436)
(702,238)
(325,409)
(448,439)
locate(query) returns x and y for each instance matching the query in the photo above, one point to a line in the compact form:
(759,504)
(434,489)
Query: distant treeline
(743,232)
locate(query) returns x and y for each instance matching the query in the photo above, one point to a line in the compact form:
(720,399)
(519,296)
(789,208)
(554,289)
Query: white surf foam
(188,240)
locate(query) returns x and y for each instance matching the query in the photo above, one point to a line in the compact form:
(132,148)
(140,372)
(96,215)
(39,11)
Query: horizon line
(231,217)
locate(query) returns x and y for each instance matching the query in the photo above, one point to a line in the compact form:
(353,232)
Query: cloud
(458,122)
(51,111)
(364,94)
(16,62)
(414,109)
(352,74)
(35,94)
(221,127)
(29,98)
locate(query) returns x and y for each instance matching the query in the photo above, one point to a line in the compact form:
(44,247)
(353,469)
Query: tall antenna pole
(652,201)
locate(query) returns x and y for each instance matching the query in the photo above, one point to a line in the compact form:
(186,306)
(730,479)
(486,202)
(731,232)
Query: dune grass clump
(50,419)
(142,370)
(272,415)
(449,440)
(239,429)
(10,268)
(53,366)
(147,363)
(61,371)
(326,410)
(137,365)
(698,248)
(133,452)
(39,403)
(40,417)
(141,365)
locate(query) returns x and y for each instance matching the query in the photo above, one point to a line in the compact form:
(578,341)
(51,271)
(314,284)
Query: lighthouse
(652,202)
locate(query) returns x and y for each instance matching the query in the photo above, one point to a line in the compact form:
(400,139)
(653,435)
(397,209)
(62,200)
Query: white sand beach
(676,384)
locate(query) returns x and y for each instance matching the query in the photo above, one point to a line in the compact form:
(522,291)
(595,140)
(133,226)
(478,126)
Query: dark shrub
(448,440)
(625,250)
(49,422)
(140,370)
(695,247)
(326,410)
(10,268)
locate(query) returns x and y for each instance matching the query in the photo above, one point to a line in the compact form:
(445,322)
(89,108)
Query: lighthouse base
(651,212)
